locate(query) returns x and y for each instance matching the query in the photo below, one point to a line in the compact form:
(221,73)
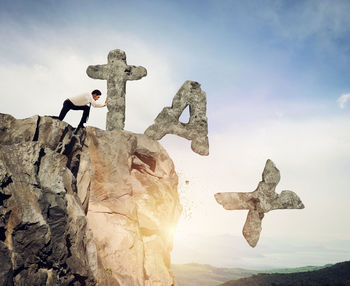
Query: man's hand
(106,101)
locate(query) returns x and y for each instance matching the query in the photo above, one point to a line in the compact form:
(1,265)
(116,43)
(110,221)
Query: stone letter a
(167,121)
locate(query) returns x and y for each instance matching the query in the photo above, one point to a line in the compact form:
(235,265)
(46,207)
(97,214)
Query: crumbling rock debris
(259,202)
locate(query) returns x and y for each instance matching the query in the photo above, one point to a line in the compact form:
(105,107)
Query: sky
(277,83)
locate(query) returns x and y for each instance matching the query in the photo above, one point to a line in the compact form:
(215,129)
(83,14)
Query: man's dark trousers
(68,105)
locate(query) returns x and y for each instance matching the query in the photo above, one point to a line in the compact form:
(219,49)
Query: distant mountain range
(194,274)
(335,275)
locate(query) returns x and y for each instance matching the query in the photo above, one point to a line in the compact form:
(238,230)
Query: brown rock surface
(133,205)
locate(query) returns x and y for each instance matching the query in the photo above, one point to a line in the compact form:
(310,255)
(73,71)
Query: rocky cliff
(95,208)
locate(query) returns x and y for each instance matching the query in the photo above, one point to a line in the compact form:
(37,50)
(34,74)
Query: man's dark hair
(96,91)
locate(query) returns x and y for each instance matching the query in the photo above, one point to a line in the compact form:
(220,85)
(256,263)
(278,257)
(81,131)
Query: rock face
(44,239)
(93,208)
(133,205)
(259,202)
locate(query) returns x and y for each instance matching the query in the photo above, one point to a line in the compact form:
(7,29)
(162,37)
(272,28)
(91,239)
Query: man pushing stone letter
(82,102)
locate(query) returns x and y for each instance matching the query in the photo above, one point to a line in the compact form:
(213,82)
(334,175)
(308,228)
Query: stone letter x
(262,200)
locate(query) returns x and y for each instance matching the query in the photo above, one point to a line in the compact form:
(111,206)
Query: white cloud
(343,99)
(52,71)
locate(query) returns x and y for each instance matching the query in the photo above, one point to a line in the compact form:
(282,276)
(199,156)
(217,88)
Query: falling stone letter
(167,121)
(116,72)
(262,200)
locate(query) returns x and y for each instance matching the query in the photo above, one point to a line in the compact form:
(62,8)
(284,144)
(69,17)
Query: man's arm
(97,104)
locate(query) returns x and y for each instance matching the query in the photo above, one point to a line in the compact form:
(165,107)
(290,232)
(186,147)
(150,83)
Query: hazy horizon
(231,251)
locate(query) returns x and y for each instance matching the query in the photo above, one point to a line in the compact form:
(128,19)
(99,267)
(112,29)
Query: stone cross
(262,200)
(116,72)
(167,121)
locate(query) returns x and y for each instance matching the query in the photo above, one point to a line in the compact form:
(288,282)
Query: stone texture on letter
(262,200)
(167,121)
(116,72)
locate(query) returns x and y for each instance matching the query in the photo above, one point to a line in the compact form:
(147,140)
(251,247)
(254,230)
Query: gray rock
(24,129)
(167,121)
(6,272)
(116,72)
(43,227)
(259,202)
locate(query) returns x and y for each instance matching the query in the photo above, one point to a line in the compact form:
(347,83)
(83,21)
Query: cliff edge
(96,208)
